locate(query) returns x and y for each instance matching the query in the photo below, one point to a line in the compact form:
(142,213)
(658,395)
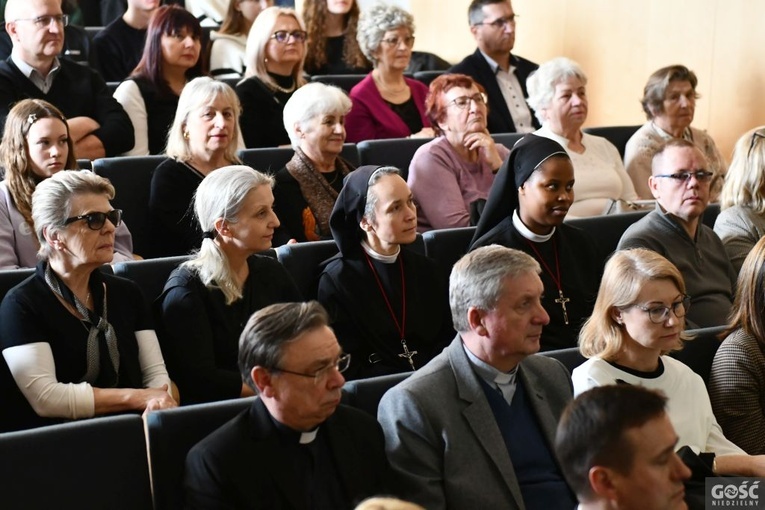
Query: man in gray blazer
(475,427)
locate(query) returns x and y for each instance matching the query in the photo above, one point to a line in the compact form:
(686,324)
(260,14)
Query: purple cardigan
(371,118)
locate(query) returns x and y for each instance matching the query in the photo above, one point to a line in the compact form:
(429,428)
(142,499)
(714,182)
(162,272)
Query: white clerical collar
(308,437)
(487,372)
(385,259)
(528,234)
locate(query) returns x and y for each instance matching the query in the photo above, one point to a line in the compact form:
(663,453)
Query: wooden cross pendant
(562,300)
(409,354)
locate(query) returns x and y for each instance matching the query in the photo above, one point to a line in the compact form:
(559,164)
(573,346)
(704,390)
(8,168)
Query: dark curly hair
(315,15)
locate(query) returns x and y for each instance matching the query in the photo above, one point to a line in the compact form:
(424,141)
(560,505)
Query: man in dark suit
(475,427)
(502,74)
(295,448)
(98,125)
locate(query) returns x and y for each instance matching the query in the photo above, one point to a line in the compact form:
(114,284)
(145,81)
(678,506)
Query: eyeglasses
(700,175)
(501,22)
(96,220)
(396,41)
(61,20)
(760,133)
(321,375)
(463,102)
(659,314)
(282,36)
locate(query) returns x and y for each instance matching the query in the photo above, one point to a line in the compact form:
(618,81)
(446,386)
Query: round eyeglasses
(463,102)
(659,314)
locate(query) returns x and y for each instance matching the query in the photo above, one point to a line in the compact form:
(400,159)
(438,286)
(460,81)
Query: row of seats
(131,176)
(104,462)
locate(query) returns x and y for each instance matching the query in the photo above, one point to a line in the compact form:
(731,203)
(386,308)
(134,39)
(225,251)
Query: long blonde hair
(745,180)
(257,40)
(623,278)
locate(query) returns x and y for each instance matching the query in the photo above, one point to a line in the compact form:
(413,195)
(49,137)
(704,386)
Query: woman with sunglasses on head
(332,47)
(274,57)
(638,318)
(388,303)
(228,43)
(208,300)
(526,210)
(741,222)
(451,175)
(386,104)
(78,342)
(36,145)
(171,57)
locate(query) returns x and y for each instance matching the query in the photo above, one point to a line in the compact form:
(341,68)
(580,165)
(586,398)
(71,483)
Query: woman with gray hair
(388,303)
(208,300)
(274,57)
(557,93)
(386,104)
(204,137)
(78,342)
(307,187)
(669,102)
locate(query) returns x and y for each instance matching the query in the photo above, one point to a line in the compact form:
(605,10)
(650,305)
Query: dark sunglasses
(96,220)
(760,133)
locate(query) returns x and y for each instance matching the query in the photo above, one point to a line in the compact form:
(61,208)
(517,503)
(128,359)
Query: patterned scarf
(318,193)
(100,333)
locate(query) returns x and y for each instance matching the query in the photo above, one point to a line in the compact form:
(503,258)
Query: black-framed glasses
(501,22)
(396,41)
(96,220)
(61,20)
(463,102)
(659,314)
(760,133)
(700,175)
(341,365)
(283,36)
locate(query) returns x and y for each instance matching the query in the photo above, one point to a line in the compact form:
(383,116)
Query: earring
(186,135)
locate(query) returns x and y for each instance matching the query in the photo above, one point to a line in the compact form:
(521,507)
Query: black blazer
(242,465)
(476,67)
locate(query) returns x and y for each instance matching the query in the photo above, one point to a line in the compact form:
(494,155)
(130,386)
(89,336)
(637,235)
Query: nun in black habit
(389,305)
(527,204)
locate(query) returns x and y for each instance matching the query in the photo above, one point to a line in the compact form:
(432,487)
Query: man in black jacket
(98,125)
(502,74)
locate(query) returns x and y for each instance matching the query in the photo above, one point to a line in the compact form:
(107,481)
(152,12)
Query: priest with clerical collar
(295,447)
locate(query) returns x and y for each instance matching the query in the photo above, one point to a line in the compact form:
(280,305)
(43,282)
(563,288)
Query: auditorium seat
(85,164)
(9,278)
(617,135)
(710,214)
(507,139)
(571,357)
(447,245)
(699,353)
(607,230)
(303,263)
(365,394)
(396,152)
(344,81)
(131,177)
(149,274)
(427,77)
(272,159)
(88,465)
(172,433)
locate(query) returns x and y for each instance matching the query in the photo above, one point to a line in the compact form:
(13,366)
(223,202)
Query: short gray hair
(478,279)
(310,101)
(541,83)
(221,195)
(196,94)
(377,20)
(52,201)
(372,198)
(267,332)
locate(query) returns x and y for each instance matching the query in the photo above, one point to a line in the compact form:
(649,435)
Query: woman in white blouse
(639,317)
(558,95)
